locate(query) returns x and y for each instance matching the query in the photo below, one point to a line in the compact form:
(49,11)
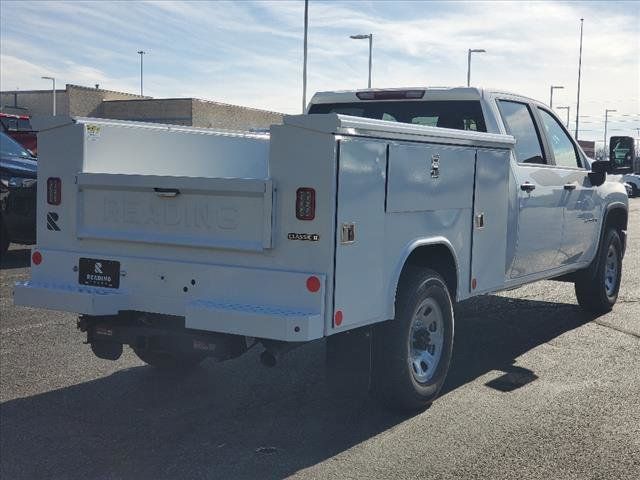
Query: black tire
(597,287)
(167,361)
(394,376)
(4,238)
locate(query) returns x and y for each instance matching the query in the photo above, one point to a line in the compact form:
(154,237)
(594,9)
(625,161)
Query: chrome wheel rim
(426,340)
(611,271)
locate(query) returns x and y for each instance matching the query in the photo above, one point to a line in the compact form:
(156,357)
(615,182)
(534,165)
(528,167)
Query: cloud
(251,52)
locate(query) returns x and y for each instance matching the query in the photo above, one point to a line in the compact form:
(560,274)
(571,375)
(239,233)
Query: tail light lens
(54,191)
(305,204)
(36,258)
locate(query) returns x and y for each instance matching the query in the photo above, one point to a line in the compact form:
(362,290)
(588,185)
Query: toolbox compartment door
(228,213)
(359,269)
(490,219)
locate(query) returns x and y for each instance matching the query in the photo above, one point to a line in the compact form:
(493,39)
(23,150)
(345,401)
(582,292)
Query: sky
(250,52)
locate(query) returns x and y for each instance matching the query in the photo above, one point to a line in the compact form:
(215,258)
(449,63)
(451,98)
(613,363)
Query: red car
(19,128)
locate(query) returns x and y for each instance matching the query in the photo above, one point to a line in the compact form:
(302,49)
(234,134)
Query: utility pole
(141,53)
(553,87)
(304,64)
(579,72)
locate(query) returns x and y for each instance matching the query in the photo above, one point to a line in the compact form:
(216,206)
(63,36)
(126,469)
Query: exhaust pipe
(274,350)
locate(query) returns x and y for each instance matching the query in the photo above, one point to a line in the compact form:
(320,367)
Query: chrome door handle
(527,187)
(570,186)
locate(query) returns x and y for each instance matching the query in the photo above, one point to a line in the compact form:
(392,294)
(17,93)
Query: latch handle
(166,192)
(348,233)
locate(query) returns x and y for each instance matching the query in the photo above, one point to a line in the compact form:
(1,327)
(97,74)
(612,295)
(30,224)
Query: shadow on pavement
(239,419)
(15,258)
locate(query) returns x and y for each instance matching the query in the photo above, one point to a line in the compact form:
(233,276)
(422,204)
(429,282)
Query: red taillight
(36,258)
(313,284)
(54,191)
(305,204)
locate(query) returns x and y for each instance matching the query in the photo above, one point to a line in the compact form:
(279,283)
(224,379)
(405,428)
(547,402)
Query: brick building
(74,100)
(81,101)
(190,111)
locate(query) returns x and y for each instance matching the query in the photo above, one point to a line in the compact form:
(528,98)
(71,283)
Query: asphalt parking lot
(538,389)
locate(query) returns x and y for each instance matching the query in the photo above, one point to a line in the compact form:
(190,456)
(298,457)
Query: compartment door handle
(167,192)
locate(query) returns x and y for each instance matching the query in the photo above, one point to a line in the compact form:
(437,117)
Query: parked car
(633,180)
(19,128)
(363,221)
(18,172)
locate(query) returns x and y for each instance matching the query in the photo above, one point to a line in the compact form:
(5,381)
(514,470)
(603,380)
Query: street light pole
(553,87)
(567,109)
(141,53)
(606,120)
(53,92)
(471,50)
(579,72)
(304,64)
(370,37)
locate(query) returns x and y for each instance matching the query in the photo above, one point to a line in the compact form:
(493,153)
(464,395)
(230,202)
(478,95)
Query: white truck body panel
(203,224)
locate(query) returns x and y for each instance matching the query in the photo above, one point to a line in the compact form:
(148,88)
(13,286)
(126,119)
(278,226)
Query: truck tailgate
(229,213)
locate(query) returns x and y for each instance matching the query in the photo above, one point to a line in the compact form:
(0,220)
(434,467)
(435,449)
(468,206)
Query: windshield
(457,114)
(8,146)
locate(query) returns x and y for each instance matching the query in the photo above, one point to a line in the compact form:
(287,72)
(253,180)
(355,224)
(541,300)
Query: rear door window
(519,123)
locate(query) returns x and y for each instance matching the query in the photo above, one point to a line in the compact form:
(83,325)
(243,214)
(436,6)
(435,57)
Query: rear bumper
(259,321)
(68,298)
(260,303)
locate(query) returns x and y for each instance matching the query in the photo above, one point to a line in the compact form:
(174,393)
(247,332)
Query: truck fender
(611,209)
(410,248)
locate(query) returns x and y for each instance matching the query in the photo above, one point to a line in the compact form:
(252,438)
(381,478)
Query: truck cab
(554,205)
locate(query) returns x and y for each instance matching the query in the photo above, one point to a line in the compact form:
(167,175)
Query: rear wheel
(597,287)
(169,361)
(412,352)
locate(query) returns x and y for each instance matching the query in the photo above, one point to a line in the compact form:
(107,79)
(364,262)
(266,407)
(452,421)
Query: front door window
(564,151)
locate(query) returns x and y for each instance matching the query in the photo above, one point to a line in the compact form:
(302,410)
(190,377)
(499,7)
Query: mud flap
(348,359)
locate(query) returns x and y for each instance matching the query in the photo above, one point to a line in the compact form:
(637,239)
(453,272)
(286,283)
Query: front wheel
(597,287)
(412,352)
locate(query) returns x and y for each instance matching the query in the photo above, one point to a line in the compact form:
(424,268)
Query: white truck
(363,220)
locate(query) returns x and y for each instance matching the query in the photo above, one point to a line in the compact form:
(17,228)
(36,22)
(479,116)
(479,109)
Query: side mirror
(598,172)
